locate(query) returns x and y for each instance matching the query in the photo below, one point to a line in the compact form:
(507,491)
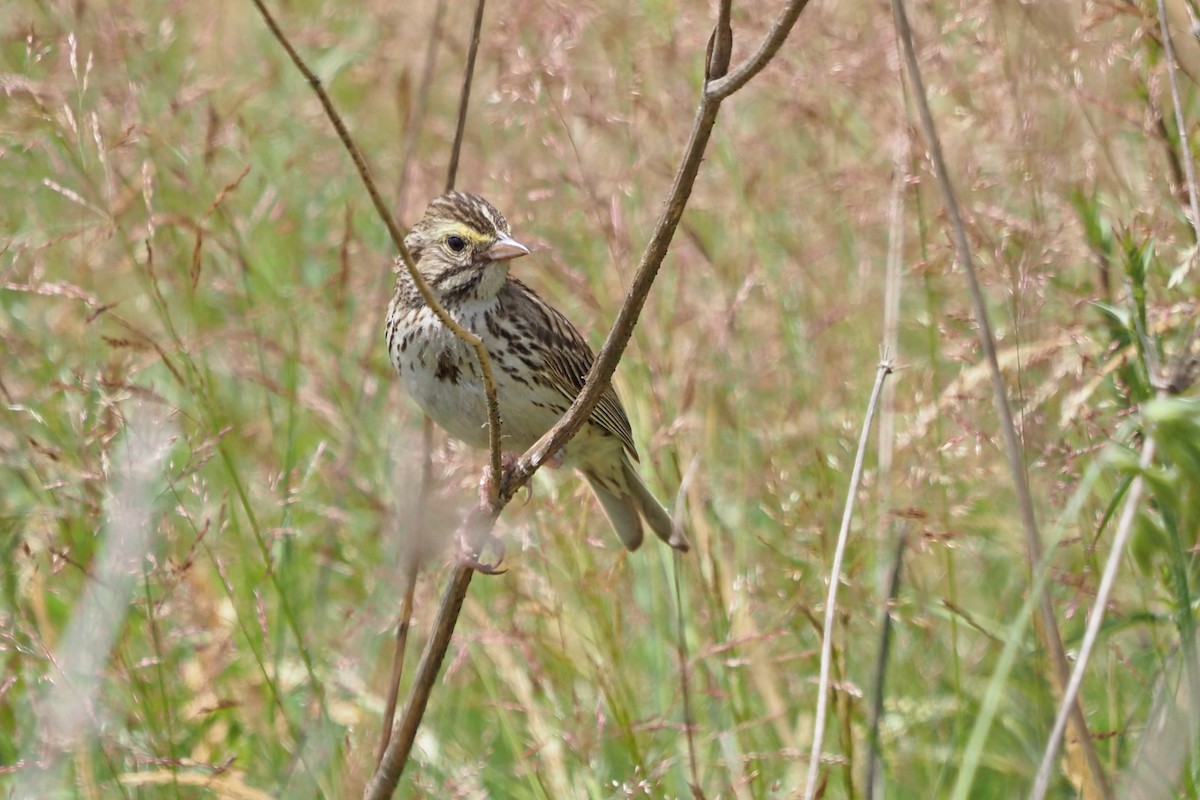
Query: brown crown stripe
(473,211)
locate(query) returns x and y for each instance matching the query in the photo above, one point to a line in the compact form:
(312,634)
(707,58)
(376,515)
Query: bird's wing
(565,360)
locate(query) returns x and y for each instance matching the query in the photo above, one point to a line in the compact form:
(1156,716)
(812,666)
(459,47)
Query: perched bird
(462,246)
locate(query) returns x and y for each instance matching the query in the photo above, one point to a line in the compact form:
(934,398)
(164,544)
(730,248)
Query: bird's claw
(485,569)
(471,556)
(507,461)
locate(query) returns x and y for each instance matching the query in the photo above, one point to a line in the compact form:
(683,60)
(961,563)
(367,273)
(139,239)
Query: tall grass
(183,237)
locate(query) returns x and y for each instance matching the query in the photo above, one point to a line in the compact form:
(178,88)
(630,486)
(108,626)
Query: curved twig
(412,564)
(360,163)
(776,36)
(618,338)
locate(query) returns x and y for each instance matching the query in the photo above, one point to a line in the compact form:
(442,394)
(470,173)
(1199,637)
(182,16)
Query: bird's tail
(626,502)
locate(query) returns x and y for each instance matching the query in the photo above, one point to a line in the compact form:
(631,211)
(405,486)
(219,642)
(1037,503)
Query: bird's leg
(472,550)
(474,537)
(508,462)
(473,546)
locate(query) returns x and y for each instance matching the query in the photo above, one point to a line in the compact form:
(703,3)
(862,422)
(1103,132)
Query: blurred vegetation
(184,246)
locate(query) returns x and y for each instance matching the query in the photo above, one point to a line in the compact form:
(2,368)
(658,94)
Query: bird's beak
(506,248)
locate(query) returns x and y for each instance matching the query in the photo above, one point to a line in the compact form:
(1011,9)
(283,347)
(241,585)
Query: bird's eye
(455,243)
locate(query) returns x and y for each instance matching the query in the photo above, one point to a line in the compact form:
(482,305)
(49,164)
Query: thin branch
(720,44)
(383,782)
(464,100)
(481,520)
(835,578)
(1124,529)
(1012,446)
(360,163)
(402,628)
(1189,165)
(412,566)
(656,250)
(776,36)
(614,346)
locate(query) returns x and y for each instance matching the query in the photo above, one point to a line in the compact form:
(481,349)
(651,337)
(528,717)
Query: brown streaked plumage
(462,246)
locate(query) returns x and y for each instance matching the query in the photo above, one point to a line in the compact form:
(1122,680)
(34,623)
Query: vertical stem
(464,100)
(835,577)
(402,628)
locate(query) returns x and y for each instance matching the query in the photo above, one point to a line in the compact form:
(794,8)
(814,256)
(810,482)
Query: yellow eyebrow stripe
(465,231)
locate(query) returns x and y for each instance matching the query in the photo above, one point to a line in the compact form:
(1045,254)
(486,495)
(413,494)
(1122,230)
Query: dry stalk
(463,101)
(618,338)
(360,163)
(412,565)
(887,435)
(835,578)
(891,323)
(481,520)
(1049,627)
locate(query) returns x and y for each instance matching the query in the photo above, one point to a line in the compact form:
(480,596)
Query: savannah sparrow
(462,246)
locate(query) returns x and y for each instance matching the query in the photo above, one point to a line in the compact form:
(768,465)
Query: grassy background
(192,276)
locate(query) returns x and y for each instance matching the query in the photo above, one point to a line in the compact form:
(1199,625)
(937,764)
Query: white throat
(492,281)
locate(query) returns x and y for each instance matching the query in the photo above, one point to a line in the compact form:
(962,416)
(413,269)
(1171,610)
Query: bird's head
(462,246)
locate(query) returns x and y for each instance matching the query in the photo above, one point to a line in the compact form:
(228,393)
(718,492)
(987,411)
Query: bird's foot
(507,461)
(471,555)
